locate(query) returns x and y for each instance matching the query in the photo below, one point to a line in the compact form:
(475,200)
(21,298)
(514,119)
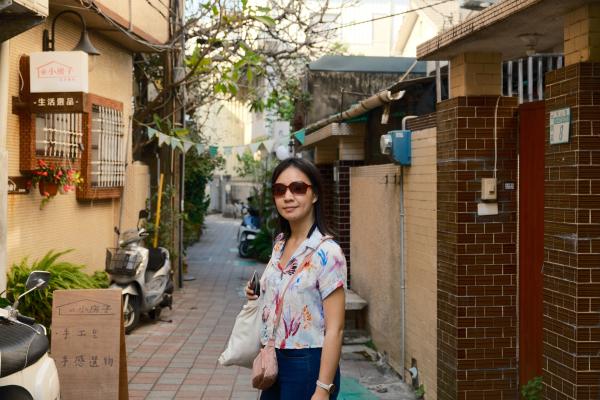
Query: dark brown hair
(311,171)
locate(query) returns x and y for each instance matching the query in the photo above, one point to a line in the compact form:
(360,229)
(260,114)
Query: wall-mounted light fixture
(84,44)
(530,40)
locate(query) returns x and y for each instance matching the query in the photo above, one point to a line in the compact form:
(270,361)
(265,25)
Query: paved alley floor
(176,357)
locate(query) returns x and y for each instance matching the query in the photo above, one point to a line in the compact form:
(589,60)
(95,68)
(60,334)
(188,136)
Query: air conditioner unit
(476,5)
(17,16)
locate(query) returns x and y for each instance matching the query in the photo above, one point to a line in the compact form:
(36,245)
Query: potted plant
(50,178)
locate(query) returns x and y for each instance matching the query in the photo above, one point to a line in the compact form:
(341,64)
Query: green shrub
(63,275)
(420,392)
(532,390)
(262,246)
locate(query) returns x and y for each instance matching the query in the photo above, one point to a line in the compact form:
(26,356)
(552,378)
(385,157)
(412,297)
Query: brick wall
(474,74)
(582,27)
(571,245)
(476,295)
(341,207)
(326,171)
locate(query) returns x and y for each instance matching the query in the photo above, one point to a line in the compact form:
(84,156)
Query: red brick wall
(326,171)
(341,208)
(477,316)
(571,238)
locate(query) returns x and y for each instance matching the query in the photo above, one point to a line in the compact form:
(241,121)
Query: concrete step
(356,336)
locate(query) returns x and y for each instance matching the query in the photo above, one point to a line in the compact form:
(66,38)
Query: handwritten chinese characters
(86,343)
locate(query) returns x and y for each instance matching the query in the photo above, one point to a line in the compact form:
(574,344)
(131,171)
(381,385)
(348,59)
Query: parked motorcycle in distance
(248,229)
(142,274)
(26,370)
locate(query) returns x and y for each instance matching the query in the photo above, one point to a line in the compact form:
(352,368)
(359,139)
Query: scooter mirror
(37,280)
(143,214)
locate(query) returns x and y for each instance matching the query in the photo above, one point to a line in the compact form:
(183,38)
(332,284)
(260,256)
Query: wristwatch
(330,388)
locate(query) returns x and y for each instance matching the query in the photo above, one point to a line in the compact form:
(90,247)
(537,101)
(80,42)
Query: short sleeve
(333,269)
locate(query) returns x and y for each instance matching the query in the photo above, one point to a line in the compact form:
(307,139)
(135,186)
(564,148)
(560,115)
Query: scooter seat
(156,259)
(20,347)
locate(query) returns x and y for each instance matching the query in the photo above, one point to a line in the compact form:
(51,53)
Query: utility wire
(383,17)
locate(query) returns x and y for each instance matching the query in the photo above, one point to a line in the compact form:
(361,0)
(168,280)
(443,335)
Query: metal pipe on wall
(4,75)
(377,100)
(403,258)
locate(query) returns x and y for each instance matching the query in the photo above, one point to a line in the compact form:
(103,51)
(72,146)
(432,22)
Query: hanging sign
(65,102)
(58,71)
(560,121)
(88,344)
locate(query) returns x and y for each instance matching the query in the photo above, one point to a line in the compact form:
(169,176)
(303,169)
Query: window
(91,139)
(59,135)
(103,159)
(108,147)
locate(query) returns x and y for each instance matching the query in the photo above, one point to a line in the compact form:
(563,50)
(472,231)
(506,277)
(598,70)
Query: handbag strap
(278,316)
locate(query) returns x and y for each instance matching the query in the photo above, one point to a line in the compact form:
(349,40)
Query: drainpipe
(377,100)
(4,66)
(402,258)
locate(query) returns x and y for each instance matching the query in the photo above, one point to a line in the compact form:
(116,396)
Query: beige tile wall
(375,249)
(420,199)
(65,223)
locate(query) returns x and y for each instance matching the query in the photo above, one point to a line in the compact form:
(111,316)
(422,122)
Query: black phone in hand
(255,284)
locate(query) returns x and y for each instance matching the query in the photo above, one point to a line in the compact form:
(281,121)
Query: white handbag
(244,342)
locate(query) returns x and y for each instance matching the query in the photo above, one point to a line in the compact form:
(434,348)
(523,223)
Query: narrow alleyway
(178,359)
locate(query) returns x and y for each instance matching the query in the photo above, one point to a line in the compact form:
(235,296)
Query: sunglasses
(298,188)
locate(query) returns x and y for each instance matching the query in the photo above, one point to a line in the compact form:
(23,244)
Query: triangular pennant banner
(200,148)
(151,132)
(240,150)
(187,145)
(254,147)
(176,143)
(227,150)
(213,150)
(300,135)
(163,139)
(269,145)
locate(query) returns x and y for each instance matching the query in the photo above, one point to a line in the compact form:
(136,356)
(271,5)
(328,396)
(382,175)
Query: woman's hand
(250,293)
(320,394)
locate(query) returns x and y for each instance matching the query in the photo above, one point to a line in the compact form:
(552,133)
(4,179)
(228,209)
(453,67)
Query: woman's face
(295,207)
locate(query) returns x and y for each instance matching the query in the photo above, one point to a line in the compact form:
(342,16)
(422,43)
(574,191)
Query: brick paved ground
(178,360)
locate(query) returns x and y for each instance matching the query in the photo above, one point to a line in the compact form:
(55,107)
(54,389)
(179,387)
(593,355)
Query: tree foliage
(251,50)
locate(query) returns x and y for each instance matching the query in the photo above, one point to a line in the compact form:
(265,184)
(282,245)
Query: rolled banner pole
(158,204)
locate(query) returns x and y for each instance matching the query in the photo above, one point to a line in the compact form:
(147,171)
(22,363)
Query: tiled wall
(476,295)
(571,238)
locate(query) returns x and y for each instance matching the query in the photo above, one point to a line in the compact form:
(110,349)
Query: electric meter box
(401,152)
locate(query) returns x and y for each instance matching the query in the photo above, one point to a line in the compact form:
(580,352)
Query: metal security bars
(59,135)
(107,147)
(525,77)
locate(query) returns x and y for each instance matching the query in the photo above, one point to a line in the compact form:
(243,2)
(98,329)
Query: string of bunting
(185,145)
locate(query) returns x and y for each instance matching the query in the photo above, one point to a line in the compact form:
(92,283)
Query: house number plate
(560,121)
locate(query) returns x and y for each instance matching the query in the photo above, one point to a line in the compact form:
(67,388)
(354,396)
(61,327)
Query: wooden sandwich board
(88,344)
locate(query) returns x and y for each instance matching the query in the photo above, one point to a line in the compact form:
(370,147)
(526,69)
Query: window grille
(108,147)
(59,135)
(524,78)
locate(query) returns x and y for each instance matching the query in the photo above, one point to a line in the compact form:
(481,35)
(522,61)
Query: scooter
(26,370)
(248,229)
(142,274)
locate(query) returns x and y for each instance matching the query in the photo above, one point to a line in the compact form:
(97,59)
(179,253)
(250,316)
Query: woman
(308,339)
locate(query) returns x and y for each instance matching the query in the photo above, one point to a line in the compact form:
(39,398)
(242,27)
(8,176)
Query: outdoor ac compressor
(396,144)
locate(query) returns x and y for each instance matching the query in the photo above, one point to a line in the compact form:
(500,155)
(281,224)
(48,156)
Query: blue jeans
(298,374)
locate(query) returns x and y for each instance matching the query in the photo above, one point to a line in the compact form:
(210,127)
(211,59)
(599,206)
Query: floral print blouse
(302,322)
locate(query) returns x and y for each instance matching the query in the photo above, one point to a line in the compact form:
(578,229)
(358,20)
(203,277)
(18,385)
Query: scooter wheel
(244,249)
(131,314)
